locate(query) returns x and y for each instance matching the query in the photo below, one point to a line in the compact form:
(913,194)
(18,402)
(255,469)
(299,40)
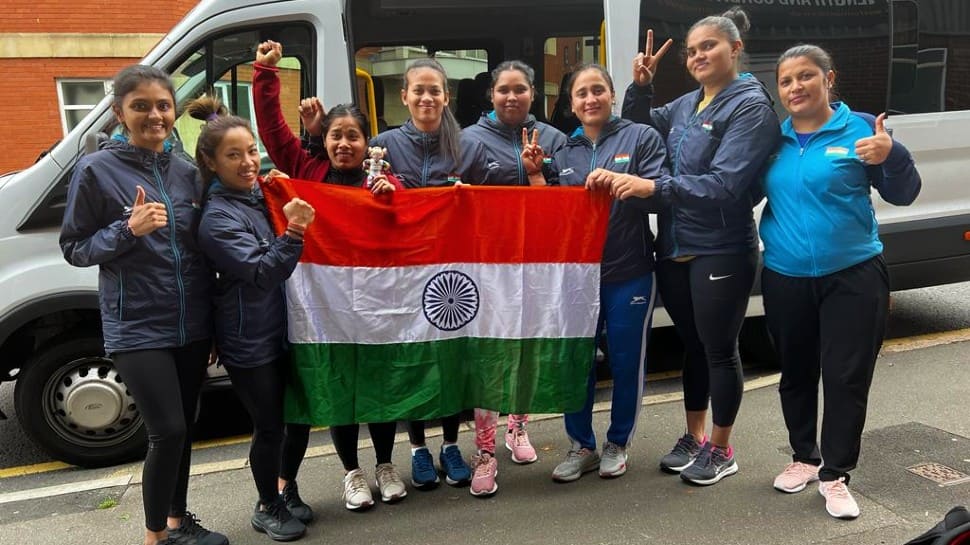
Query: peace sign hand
(532,154)
(645,63)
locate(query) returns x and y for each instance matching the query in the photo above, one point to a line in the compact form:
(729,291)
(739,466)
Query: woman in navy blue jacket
(607,150)
(133,210)
(250,306)
(825,284)
(718,138)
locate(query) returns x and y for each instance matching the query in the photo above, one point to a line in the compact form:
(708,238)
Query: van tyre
(72,402)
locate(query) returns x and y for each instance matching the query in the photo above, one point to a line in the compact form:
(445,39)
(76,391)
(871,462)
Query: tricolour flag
(423,303)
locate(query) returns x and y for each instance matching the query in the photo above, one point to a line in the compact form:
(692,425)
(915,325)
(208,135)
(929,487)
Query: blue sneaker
(423,474)
(457,472)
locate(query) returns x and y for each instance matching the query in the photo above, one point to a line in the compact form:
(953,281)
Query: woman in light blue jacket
(825,284)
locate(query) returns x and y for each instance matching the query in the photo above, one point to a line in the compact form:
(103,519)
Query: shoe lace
(481,465)
(704,458)
(519,436)
(452,457)
(795,469)
(577,454)
(357,483)
(291,493)
(422,462)
(386,475)
(685,445)
(190,525)
(611,450)
(278,510)
(837,489)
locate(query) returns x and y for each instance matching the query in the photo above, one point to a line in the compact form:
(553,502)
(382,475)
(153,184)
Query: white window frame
(64,108)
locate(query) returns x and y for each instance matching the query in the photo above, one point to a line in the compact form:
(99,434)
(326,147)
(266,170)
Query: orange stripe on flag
(460,224)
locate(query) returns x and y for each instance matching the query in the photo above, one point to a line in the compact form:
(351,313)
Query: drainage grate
(939,473)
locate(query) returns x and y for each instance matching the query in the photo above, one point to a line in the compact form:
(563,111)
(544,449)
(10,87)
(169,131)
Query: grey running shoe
(613,461)
(711,465)
(682,455)
(276,521)
(577,462)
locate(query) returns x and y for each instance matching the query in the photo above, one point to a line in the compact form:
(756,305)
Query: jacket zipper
(518,159)
(175,250)
(676,163)
(242,316)
(425,167)
(121,294)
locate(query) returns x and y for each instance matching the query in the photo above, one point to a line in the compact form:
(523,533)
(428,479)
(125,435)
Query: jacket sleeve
(283,147)
(637,107)
(233,249)
(750,138)
(83,240)
(896,179)
(651,164)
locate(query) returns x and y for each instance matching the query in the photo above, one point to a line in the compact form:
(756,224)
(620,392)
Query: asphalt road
(914,312)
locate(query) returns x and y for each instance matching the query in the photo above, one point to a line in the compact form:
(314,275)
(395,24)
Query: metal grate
(939,473)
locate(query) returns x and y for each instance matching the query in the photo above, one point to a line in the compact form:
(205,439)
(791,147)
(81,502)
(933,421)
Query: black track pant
(165,384)
(831,326)
(449,427)
(276,450)
(345,441)
(707,297)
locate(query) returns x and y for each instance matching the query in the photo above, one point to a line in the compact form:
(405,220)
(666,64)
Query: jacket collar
(838,121)
(491,122)
(614,124)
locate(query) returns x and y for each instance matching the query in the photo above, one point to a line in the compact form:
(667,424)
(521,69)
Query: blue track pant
(626,311)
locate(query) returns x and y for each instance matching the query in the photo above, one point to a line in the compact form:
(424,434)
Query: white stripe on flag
(442,301)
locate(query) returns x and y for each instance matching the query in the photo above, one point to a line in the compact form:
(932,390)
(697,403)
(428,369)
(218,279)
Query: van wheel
(72,402)
(755,343)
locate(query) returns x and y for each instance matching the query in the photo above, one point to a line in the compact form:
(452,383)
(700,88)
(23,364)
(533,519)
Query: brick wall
(31,120)
(117,16)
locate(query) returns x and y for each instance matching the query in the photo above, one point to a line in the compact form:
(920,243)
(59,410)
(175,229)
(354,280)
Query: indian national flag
(426,302)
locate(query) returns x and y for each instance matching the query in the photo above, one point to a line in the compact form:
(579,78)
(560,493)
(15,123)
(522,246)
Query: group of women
(188,259)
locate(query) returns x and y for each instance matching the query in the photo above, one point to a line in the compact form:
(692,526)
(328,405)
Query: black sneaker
(682,455)
(190,532)
(293,501)
(276,521)
(711,465)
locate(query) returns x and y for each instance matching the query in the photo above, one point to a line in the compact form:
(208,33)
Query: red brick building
(55,57)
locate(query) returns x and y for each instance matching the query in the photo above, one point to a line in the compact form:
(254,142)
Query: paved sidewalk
(918,413)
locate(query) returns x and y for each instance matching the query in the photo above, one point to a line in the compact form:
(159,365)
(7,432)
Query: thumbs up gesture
(146,217)
(874,149)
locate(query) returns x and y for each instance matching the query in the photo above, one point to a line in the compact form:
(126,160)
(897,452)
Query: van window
(928,76)
(386,66)
(229,76)
(225,65)
(561,56)
(856,34)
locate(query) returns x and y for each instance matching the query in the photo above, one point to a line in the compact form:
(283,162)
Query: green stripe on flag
(336,384)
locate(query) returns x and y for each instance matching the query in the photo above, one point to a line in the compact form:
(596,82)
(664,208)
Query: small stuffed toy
(375,165)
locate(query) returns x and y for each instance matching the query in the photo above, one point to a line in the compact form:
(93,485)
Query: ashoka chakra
(450,300)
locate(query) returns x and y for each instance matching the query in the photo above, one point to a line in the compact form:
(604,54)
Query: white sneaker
(838,501)
(612,461)
(356,492)
(390,484)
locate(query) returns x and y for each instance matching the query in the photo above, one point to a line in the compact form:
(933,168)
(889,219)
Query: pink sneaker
(796,477)
(838,501)
(484,471)
(517,441)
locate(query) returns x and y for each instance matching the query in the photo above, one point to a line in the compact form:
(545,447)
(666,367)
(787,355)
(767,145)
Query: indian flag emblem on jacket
(421,304)
(621,158)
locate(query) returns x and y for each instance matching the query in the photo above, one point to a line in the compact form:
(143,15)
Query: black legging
(272,452)
(449,427)
(707,297)
(165,384)
(345,441)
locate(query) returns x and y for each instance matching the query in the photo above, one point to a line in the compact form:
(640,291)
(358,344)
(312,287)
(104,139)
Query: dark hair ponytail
(449,135)
(218,121)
